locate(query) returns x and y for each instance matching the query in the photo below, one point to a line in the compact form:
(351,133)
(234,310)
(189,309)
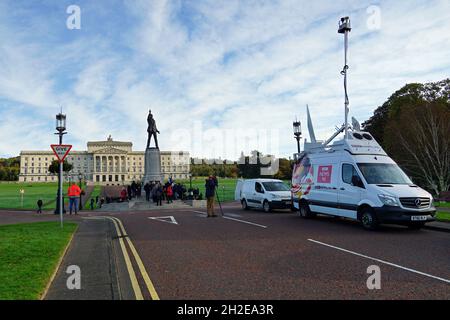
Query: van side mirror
(356,181)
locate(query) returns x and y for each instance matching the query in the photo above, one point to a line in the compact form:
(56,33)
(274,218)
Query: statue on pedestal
(152,130)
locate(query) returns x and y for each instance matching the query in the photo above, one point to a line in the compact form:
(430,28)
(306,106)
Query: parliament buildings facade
(105,162)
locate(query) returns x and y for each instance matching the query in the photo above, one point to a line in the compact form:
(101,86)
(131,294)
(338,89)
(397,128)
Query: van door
(258,195)
(323,197)
(350,191)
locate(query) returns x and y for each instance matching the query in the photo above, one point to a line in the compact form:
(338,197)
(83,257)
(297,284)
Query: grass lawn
(95,193)
(29,253)
(438,204)
(443,216)
(10,197)
(226,188)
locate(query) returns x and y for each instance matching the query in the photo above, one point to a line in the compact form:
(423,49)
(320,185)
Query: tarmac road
(255,255)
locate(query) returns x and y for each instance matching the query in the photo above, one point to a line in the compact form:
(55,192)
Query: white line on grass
(381,261)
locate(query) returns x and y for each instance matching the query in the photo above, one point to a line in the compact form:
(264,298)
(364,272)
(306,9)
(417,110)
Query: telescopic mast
(345,28)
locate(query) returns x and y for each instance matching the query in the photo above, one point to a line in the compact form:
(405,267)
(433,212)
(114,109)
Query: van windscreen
(275,186)
(383,173)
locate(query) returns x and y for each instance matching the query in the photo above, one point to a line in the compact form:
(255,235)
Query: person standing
(210,187)
(73,192)
(169,193)
(123,195)
(158,194)
(129,192)
(147,191)
(39,204)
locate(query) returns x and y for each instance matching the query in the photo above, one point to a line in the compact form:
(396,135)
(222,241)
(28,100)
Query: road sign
(61,150)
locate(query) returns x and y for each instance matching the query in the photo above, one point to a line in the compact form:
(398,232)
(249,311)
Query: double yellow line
(121,233)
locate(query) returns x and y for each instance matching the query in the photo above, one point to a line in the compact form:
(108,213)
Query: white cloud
(233,65)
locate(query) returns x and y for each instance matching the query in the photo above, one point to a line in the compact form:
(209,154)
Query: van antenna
(312,136)
(345,28)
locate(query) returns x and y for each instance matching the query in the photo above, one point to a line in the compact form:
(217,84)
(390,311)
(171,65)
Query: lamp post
(80,179)
(297,133)
(61,128)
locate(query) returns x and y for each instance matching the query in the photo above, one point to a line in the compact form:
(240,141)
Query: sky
(220,77)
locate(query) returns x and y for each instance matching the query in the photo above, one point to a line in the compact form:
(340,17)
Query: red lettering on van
(324,174)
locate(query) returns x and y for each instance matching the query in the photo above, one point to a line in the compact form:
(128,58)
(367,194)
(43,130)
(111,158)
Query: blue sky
(219,76)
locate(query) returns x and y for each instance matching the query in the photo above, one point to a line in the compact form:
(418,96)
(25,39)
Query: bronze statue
(152,130)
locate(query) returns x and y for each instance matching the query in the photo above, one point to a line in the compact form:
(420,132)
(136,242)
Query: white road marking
(164,219)
(234,215)
(243,221)
(381,261)
(234,219)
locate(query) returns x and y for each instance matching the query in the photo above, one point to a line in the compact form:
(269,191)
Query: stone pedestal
(152,165)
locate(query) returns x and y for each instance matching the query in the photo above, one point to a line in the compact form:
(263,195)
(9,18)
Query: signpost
(22,191)
(61,151)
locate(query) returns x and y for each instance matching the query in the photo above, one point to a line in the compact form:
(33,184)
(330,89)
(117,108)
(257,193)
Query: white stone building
(105,162)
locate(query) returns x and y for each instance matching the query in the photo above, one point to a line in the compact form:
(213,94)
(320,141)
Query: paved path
(91,250)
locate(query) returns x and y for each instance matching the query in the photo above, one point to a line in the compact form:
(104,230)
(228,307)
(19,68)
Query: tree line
(248,167)
(9,169)
(413,127)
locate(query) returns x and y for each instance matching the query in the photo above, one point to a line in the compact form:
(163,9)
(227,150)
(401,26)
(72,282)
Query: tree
(9,169)
(422,144)
(285,169)
(413,127)
(54,166)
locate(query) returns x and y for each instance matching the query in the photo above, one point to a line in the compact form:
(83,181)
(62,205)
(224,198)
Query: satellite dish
(355,124)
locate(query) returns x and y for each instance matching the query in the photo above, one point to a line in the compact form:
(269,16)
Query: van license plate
(419,218)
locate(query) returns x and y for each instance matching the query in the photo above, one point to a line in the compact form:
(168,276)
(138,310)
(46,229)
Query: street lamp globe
(60,122)
(297,128)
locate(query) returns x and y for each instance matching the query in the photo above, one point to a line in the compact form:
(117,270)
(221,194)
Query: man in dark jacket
(39,204)
(210,187)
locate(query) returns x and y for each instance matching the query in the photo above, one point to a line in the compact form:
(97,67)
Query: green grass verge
(10,197)
(226,188)
(443,216)
(96,192)
(29,253)
(438,204)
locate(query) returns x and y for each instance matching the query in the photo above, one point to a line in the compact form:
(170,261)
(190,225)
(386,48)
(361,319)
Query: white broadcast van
(265,194)
(354,177)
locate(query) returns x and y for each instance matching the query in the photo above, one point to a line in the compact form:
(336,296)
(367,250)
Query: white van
(266,194)
(355,178)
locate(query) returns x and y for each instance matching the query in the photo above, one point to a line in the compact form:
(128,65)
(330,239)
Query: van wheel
(416,225)
(244,204)
(266,206)
(369,219)
(304,211)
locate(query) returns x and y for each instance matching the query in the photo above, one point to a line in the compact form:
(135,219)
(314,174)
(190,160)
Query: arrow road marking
(164,219)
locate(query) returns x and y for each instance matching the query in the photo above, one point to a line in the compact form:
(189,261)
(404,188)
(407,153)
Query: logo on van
(417,202)
(324,174)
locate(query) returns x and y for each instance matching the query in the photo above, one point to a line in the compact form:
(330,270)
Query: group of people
(153,190)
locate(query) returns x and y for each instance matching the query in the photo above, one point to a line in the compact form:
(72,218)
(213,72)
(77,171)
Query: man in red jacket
(73,192)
